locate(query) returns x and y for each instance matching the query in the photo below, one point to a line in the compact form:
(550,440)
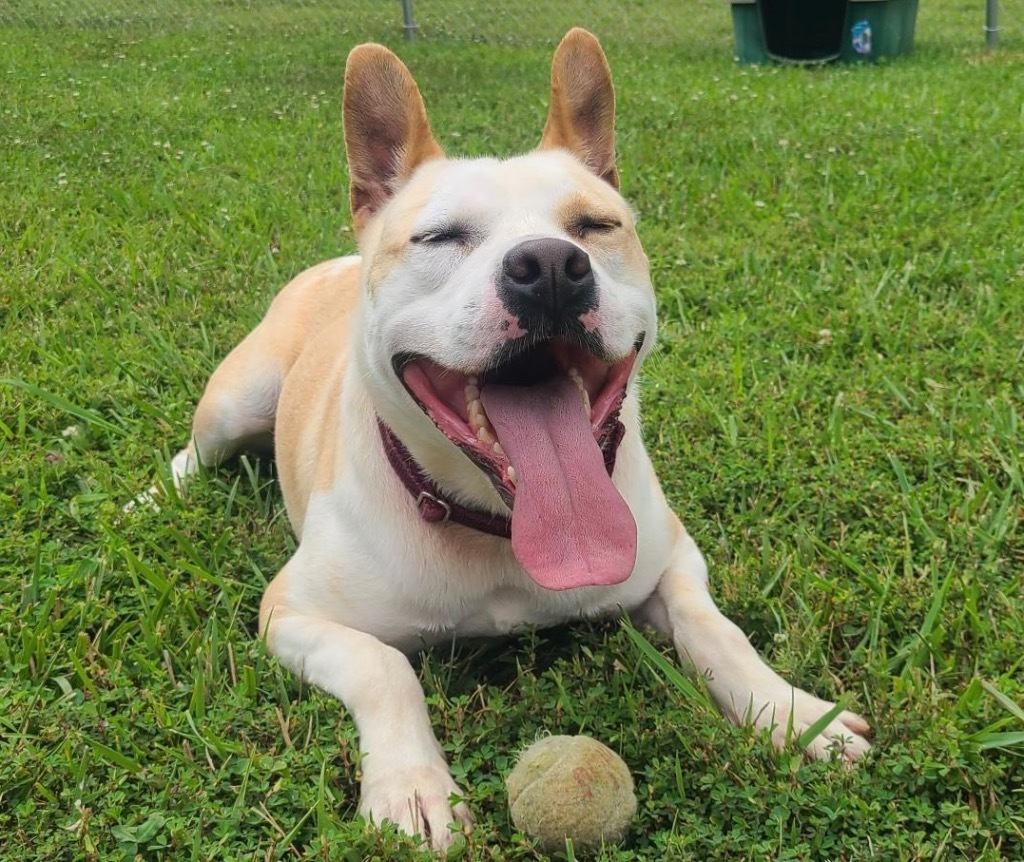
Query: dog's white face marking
(438,296)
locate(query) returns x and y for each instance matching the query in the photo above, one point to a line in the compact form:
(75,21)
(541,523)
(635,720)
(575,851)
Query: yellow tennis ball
(571,787)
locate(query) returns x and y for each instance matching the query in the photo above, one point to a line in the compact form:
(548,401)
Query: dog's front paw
(417,800)
(790,712)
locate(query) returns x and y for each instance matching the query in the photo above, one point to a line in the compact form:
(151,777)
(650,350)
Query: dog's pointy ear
(387,135)
(582,115)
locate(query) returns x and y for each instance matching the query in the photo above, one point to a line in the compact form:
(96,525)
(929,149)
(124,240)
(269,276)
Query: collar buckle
(433,508)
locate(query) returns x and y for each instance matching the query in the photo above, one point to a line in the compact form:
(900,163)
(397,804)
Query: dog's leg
(744,687)
(236,412)
(405,777)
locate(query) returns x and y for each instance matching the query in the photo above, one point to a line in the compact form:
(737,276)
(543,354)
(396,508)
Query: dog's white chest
(508,610)
(412,585)
(504,610)
(493,603)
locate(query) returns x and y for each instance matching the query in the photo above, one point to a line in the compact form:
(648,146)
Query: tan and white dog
(456,427)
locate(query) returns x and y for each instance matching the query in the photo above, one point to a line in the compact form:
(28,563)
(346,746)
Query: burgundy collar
(432,504)
(429,500)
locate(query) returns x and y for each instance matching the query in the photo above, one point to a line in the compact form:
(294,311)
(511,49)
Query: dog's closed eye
(586,226)
(445,233)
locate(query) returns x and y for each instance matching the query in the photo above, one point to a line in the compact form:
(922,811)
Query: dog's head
(506,307)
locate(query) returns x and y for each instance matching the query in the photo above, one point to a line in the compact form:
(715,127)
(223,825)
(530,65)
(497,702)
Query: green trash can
(821,31)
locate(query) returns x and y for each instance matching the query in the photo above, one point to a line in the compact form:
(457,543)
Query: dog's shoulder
(315,299)
(307,327)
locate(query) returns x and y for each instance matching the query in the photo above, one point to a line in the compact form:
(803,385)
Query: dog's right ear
(387,135)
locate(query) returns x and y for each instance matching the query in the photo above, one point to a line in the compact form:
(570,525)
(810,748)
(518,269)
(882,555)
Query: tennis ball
(571,787)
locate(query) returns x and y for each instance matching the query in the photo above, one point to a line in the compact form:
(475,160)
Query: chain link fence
(626,21)
(703,23)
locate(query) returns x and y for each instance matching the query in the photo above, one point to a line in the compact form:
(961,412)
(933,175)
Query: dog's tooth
(476,410)
(511,473)
(497,448)
(484,435)
(472,393)
(472,380)
(577,378)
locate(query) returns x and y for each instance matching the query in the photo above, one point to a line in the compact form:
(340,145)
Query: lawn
(836,409)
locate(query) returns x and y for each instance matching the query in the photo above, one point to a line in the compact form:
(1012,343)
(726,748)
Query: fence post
(992,23)
(410,23)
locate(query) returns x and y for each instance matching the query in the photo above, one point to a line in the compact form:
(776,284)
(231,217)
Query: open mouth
(542,424)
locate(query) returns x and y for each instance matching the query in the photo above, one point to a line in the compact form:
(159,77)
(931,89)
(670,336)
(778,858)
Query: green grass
(835,409)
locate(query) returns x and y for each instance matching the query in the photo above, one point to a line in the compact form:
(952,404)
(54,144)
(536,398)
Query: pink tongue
(570,526)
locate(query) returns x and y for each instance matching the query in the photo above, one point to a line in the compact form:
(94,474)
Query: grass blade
(64,405)
(1005,702)
(695,694)
(818,726)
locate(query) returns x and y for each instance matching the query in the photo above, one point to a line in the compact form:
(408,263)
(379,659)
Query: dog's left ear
(387,134)
(582,115)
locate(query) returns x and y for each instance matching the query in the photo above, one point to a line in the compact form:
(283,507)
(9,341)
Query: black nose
(547,280)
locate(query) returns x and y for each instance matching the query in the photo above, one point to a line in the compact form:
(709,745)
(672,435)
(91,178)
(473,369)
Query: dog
(456,429)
